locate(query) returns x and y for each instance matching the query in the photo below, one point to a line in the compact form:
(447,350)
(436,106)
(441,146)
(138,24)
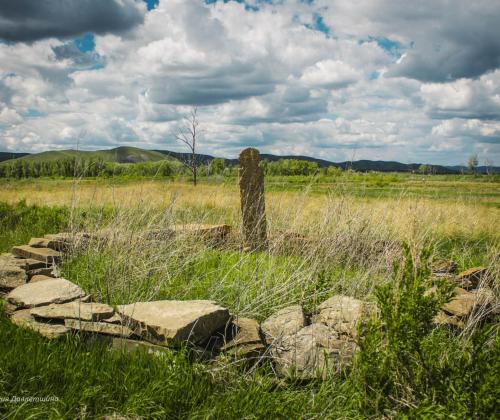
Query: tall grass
(318,246)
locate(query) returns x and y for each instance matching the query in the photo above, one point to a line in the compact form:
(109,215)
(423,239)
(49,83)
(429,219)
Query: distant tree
(188,134)
(423,169)
(472,163)
(489,165)
(217,166)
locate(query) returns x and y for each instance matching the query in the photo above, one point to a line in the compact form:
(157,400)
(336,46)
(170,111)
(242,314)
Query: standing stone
(252,200)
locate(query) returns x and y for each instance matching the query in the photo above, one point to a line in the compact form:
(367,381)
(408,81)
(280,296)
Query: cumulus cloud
(331,78)
(28,21)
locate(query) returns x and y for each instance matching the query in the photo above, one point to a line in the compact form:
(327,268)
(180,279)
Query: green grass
(457,378)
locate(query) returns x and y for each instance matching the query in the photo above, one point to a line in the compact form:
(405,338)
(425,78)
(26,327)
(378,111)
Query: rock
(24,263)
(444,319)
(132,346)
(24,319)
(312,352)
(242,331)
(464,303)
(40,277)
(99,328)
(472,275)
(11,276)
(47,272)
(286,321)
(30,295)
(444,267)
(55,244)
(74,310)
(46,255)
(253,211)
(115,319)
(9,308)
(172,322)
(342,313)
(245,340)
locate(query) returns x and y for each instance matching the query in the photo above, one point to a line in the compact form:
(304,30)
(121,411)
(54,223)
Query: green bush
(406,364)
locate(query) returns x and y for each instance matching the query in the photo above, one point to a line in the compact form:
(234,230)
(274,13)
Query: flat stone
(312,352)
(47,272)
(24,319)
(284,322)
(343,313)
(74,310)
(473,275)
(11,276)
(45,255)
(114,319)
(172,322)
(132,346)
(211,233)
(99,328)
(463,303)
(242,331)
(24,263)
(41,293)
(55,244)
(40,277)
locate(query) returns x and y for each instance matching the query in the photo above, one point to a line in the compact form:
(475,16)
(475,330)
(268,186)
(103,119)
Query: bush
(407,364)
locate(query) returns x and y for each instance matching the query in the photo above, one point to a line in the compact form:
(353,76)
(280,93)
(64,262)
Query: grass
(359,237)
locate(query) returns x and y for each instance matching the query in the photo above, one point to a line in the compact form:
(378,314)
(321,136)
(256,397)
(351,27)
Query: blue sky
(336,79)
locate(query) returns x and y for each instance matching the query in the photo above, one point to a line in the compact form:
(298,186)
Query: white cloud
(268,78)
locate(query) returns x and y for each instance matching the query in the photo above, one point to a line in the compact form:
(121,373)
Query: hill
(135,155)
(358,165)
(8,155)
(119,155)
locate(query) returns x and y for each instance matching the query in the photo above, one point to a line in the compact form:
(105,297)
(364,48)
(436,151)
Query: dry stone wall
(299,344)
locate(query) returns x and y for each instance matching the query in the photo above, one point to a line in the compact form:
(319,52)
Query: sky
(334,79)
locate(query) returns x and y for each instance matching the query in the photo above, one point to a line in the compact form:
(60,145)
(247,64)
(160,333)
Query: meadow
(362,225)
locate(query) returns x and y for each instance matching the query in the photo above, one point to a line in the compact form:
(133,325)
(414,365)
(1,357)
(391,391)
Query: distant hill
(357,165)
(134,155)
(120,155)
(479,169)
(8,155)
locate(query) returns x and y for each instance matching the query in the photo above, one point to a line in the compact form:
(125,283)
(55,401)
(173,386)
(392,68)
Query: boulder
(312,352)
(45,255)
(24,319)
(284,322)
(74,310)
(99,328)
(11,276)
(30,295)
(172,322)
(343,313)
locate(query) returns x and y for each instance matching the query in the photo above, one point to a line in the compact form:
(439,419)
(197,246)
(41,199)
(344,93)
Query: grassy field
(359,222)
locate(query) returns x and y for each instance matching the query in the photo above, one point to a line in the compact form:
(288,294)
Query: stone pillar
(253,208)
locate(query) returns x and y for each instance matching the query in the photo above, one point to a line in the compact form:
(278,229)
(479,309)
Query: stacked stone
(473,301)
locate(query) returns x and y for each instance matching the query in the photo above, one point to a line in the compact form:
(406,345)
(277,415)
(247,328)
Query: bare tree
(188,134)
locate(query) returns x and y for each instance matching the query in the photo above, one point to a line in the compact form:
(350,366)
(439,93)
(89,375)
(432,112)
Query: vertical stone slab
(252,200)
